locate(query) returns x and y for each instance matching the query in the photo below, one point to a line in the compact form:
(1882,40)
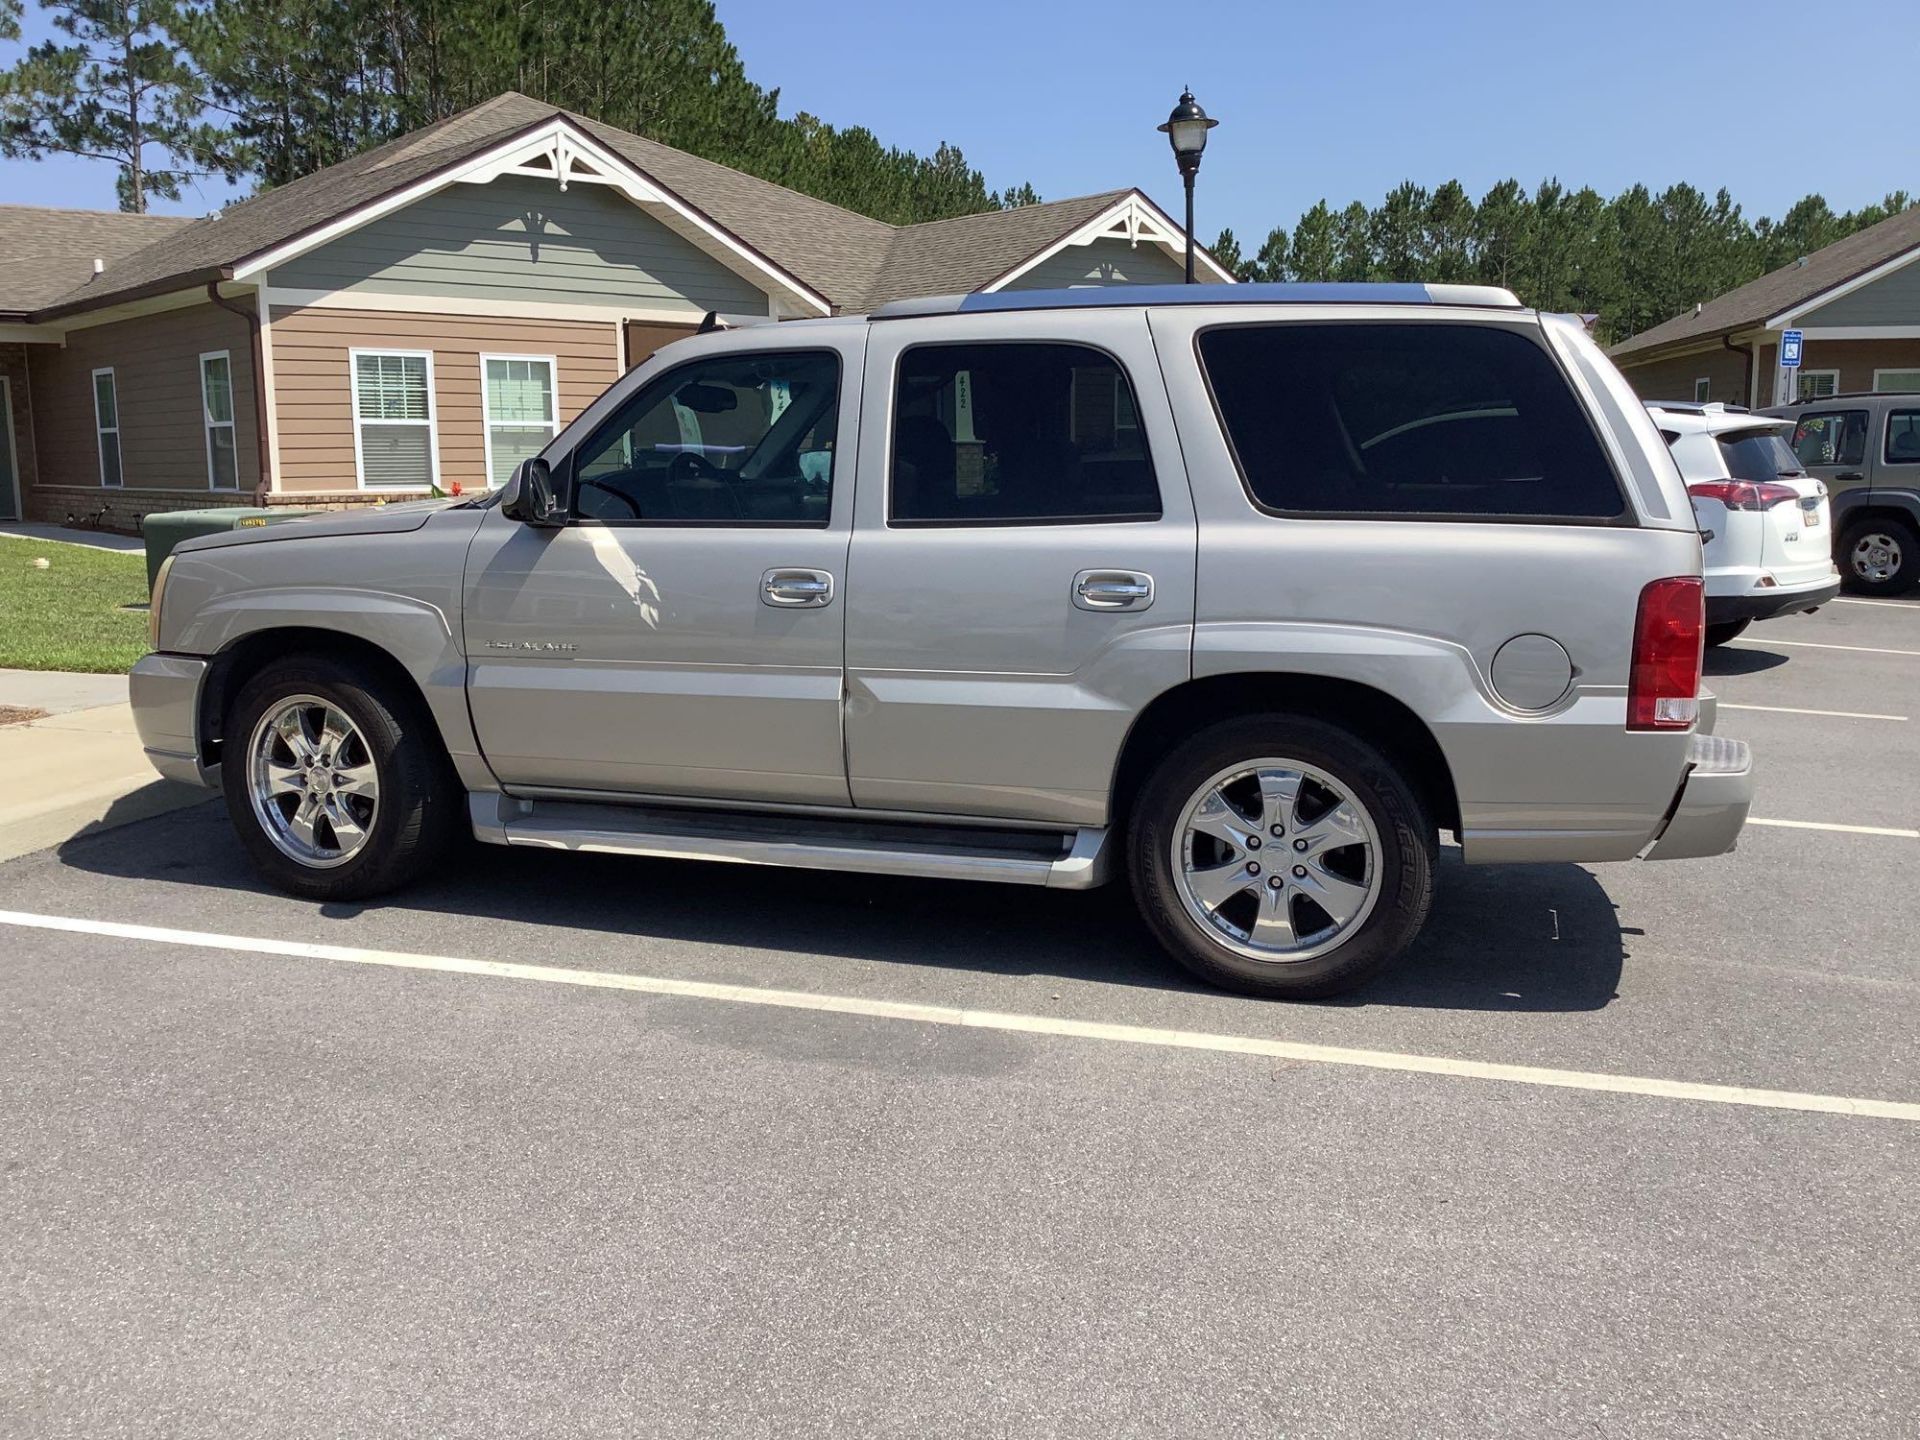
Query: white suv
(1763,518)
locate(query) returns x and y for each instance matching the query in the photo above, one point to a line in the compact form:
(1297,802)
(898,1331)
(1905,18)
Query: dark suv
(1867,449)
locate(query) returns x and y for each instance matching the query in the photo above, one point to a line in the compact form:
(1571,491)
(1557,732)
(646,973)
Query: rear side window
(1903,437)
(1758,455)
(1014,433)
(1421,420)
(1831,437)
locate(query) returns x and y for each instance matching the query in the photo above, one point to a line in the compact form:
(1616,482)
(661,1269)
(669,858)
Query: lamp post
(1186,130)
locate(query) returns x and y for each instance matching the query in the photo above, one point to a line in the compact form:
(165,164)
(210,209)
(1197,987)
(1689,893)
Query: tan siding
(1856,360)
(156,365)
(1673,379)
(314,399)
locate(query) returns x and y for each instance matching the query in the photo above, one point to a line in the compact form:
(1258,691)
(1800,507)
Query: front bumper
(1770,604)
(165,693)
(1712,803)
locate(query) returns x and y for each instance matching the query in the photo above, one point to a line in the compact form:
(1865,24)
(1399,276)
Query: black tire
(1905,575)
(1726,630)
(420,798)
(1406,859)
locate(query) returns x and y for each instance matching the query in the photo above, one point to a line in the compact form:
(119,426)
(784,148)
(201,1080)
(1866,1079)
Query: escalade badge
(543,647)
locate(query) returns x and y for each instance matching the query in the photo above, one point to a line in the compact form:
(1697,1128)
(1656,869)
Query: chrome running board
(1064,859)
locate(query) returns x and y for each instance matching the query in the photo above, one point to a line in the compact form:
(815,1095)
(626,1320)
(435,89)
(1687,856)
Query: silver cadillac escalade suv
(1244,595)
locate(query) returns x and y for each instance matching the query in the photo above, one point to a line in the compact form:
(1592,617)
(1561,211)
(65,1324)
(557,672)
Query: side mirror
(531,497)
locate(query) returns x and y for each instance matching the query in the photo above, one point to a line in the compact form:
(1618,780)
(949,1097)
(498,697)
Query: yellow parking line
(1854,1106)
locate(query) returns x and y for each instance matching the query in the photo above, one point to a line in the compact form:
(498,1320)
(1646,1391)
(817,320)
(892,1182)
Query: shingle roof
(1780,289)
(47,253)
(953,257)
(853,261)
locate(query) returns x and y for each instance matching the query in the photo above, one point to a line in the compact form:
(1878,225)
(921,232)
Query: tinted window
(1831,437)
(741,439)
(1758,455)
(1903,437)
(1439,419)
(991,434)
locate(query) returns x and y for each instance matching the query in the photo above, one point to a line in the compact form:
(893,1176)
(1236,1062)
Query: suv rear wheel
(1281,856)
(335,781)
(1880,556)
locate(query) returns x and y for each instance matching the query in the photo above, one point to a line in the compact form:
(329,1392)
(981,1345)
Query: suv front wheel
(1281,856)
(335,781)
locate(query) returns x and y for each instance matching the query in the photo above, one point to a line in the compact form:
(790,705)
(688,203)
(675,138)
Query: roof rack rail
(1118,296)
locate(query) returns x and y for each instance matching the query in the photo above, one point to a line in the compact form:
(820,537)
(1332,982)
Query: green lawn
(68,616)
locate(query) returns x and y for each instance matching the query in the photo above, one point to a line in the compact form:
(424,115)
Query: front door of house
(9,457)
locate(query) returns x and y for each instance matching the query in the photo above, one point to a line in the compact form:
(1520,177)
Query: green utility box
(165,529)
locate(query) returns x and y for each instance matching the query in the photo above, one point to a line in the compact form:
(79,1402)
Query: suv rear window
(1758,455)
(1383,420)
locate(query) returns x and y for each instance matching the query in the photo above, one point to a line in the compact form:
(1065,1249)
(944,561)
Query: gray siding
(1105,262)
(1891,300)
(523,239)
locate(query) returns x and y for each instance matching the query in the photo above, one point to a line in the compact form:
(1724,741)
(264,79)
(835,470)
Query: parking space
(396,1182)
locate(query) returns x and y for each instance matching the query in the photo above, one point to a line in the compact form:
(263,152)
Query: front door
(1023,566)
(684,633)
(1832,443)
(9,457)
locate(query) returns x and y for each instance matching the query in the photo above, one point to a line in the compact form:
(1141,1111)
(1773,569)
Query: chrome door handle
(793,589)
(1112,590)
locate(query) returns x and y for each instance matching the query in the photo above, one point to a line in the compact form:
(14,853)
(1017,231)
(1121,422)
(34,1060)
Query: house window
(520,410)
(393,419)
(1896,380)
(216,413)
(1702,389)
(1818,384)
(106,424)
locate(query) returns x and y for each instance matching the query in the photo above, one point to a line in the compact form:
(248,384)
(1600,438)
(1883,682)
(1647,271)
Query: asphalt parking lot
(251,1186)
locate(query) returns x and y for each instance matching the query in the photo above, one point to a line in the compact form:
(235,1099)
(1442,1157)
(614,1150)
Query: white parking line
(994,1020)
(1818,645)
(1843,829)
(1792,710)
(1890,604)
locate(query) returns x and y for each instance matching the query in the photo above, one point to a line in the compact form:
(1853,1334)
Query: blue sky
(1341,101)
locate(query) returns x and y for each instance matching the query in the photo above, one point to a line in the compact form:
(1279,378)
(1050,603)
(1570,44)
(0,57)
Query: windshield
(1760,455)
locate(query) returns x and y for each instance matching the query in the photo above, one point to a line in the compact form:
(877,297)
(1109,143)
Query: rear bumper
(164,691)
(1712,804)
(1771,603)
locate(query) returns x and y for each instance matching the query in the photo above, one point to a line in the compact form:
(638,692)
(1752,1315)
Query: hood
(373,520)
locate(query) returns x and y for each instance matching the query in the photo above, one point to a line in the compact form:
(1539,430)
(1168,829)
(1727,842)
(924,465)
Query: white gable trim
(1133,218)
(561,152)
(1847,287)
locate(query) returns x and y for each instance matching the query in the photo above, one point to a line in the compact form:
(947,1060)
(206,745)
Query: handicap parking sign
(1790,341)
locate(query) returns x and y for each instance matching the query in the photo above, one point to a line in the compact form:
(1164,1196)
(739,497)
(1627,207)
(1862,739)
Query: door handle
(1112,590)
(1850,475)
(794,589)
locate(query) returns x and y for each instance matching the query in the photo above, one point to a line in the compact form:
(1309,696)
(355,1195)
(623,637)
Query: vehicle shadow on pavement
(1725,660)
(1538,937)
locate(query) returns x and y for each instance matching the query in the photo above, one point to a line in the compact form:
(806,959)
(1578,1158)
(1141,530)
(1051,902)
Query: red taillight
(1743,494)
(1663,688)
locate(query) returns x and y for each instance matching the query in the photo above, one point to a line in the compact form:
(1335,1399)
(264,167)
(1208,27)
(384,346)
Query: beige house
(1856,303)
(428,313)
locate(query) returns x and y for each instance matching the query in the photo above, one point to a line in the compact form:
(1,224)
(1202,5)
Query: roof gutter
(171,285)
(252,317)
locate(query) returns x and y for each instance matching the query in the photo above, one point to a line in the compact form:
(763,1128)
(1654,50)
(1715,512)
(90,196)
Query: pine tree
(117,91)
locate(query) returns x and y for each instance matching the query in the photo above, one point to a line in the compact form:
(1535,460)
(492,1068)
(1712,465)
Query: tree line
(265,91)
(1634,260)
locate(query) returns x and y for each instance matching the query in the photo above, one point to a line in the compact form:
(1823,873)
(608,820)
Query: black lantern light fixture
(1186,130)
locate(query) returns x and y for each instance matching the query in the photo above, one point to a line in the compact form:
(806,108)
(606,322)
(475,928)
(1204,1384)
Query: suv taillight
(1663,687)
(1743,494)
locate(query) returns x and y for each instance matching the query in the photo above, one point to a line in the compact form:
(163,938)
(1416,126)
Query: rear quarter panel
(1419,608)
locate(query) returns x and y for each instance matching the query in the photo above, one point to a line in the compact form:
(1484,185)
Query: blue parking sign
(1790,341)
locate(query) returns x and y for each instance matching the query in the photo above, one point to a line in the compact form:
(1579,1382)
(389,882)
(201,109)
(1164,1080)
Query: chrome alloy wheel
(1277,860)
(1876,556)
(312,781)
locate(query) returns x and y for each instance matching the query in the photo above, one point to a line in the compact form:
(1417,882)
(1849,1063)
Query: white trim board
(379,301)
(268,394)
(1862,332)
(561,152)
(1133,218)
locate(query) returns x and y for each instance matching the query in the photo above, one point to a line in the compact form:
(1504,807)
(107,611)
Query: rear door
(1022,571)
